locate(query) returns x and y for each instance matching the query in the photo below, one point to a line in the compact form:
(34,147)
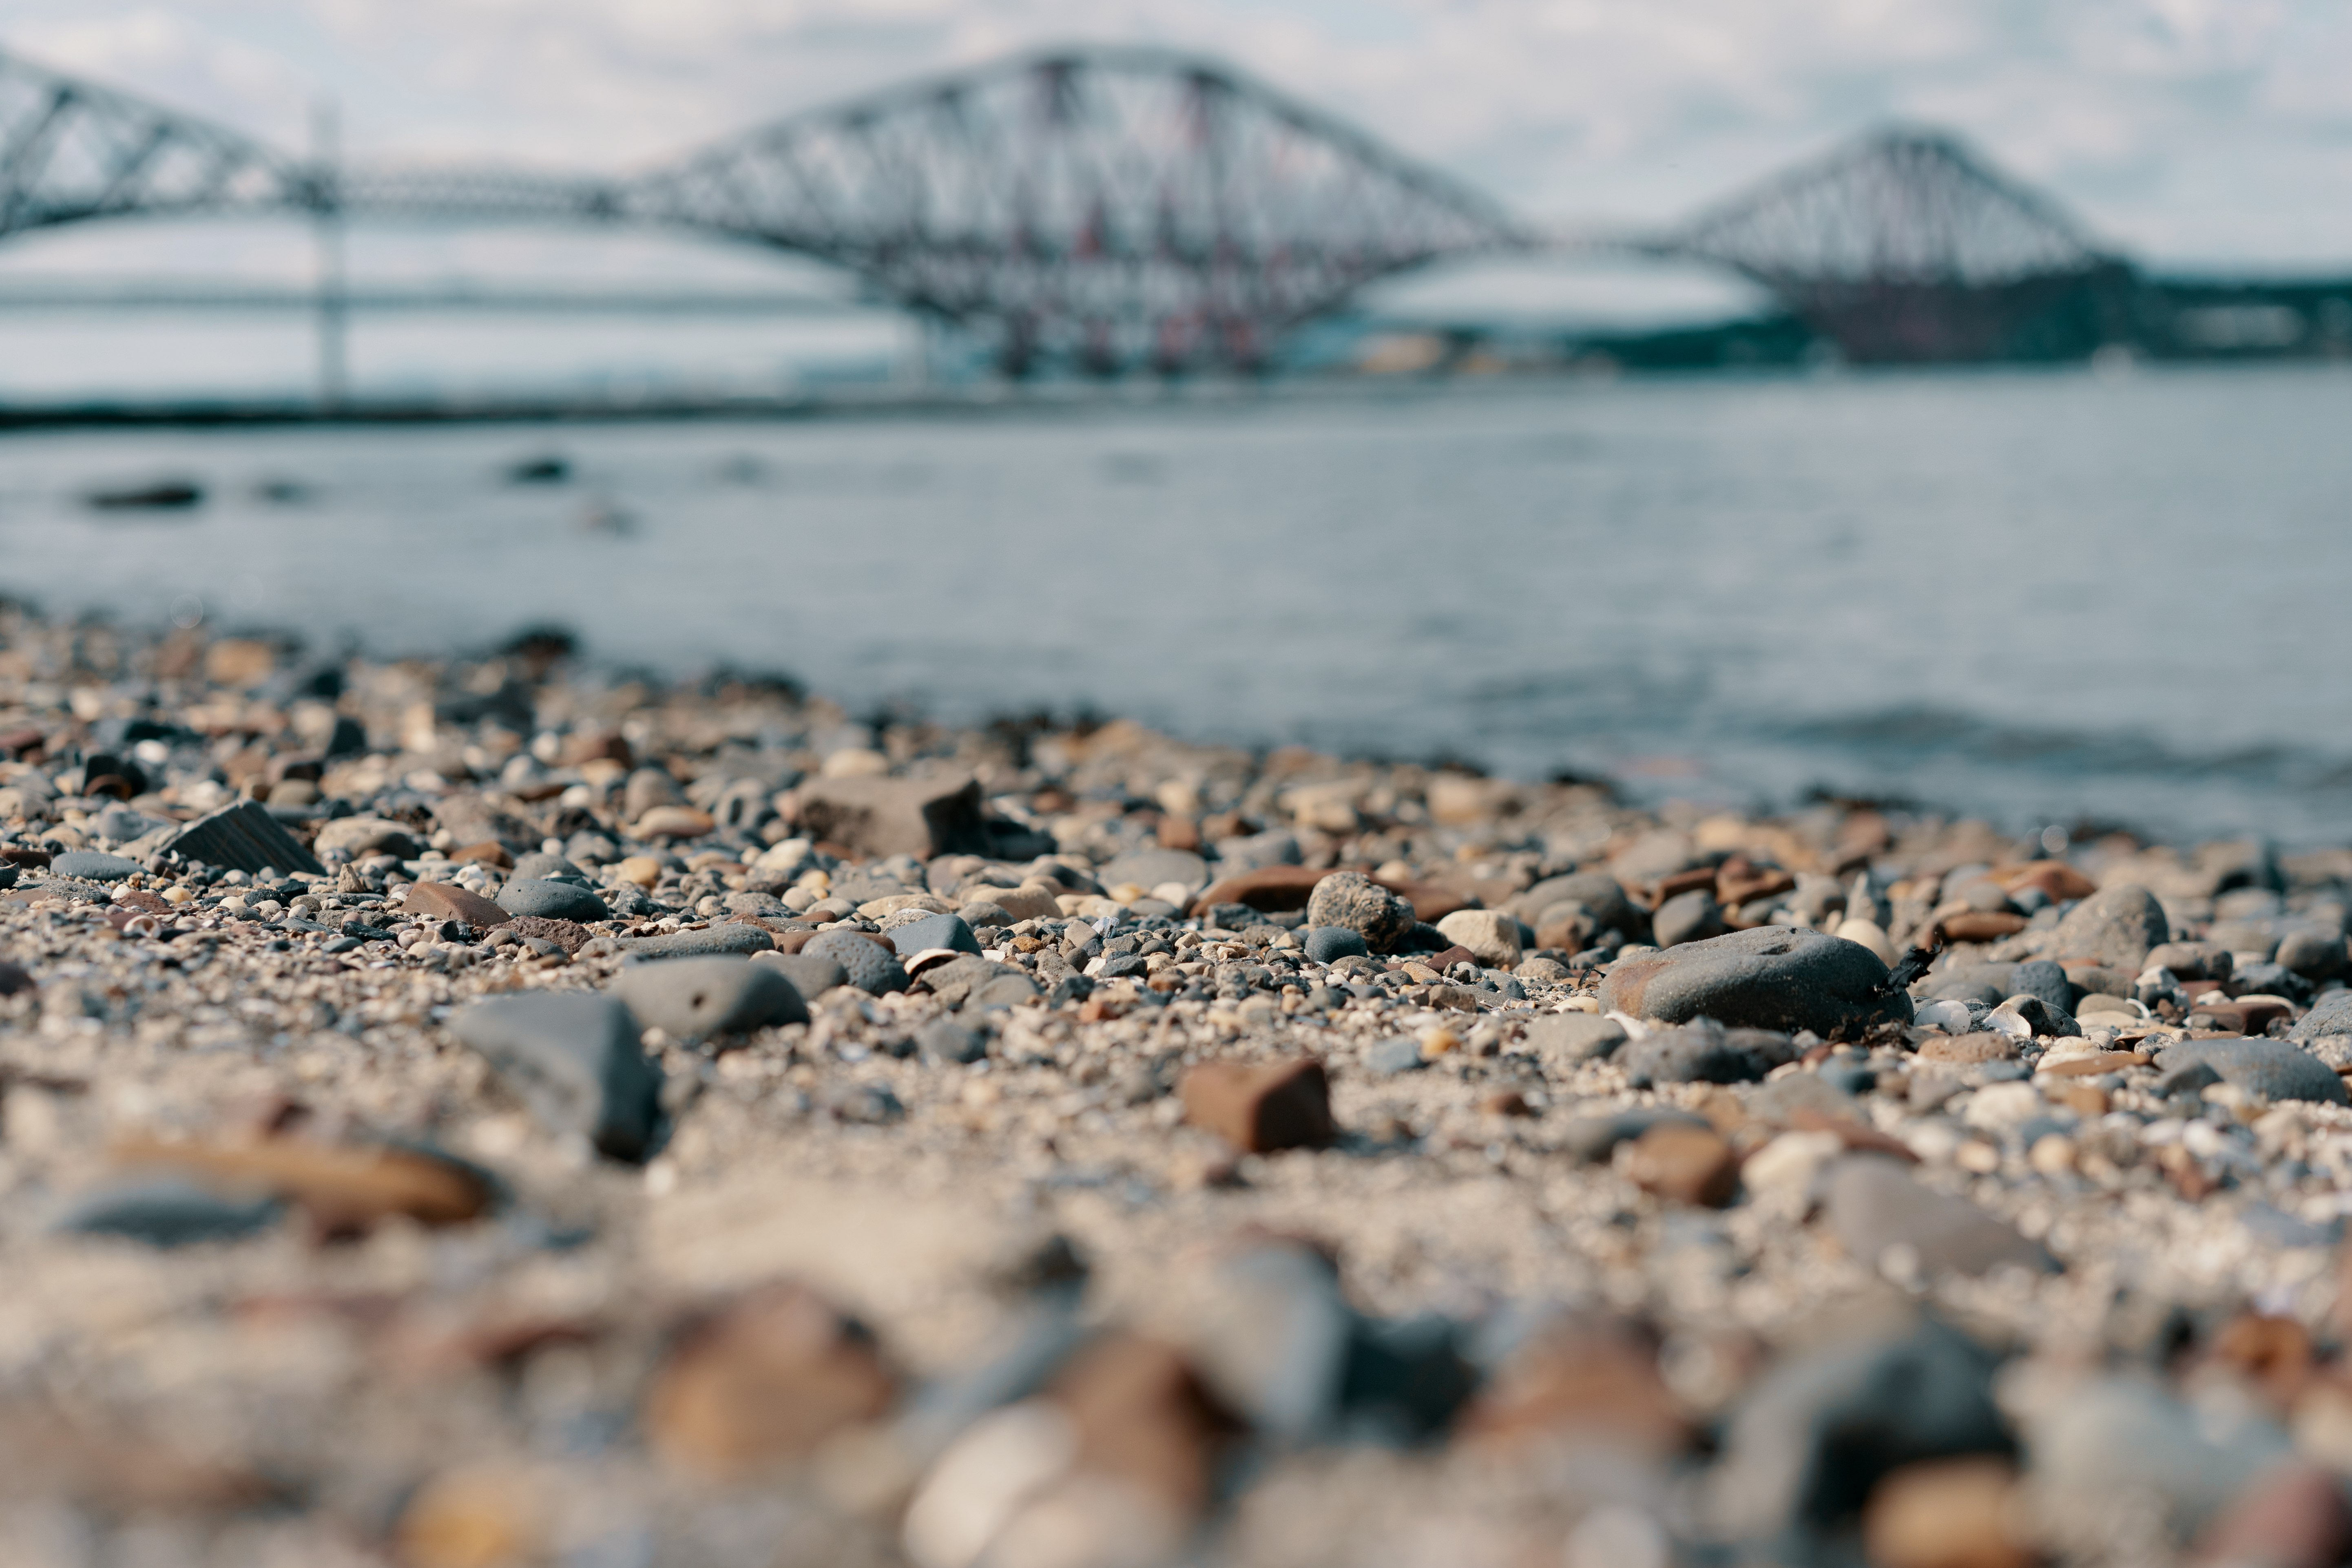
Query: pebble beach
(500,1110)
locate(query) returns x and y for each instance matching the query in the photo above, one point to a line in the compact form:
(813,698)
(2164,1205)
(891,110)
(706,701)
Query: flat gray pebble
(699,998)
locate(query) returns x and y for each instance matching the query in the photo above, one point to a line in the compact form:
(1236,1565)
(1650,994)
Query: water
(2045,597)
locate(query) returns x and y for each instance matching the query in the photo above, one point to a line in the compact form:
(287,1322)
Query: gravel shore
(498,1112)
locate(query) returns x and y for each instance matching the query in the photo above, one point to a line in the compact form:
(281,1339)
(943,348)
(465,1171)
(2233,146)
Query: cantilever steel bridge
(1108,210)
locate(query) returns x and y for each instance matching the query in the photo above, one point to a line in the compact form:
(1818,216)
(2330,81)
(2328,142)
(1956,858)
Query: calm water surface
(2045,596)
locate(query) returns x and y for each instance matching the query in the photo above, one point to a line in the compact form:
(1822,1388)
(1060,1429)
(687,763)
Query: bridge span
(1110,210)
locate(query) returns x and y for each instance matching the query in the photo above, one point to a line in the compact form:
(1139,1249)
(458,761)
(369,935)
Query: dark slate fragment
(243,837)
(572,1057)
(167,1212)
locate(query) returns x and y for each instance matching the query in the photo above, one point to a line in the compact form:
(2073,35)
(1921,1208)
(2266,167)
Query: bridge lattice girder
(1113,208)
(1901,245)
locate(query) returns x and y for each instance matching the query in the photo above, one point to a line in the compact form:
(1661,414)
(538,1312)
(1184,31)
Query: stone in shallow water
(552,898)
(571,1056)
(697,998)
(2274,1069)
(1768,978)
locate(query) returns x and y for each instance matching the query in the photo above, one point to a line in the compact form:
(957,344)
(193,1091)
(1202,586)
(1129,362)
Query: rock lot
(923,1145)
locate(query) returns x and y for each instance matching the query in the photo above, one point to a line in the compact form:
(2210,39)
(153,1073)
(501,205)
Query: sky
(2193,134)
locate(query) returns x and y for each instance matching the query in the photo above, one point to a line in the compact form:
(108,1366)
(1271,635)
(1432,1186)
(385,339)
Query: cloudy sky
(2194,132)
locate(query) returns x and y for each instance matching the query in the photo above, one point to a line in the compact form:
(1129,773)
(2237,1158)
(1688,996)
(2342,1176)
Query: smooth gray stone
(1602,894)
(1329,944)
(1253,851)
(167,1212)
(933,932)
(1818,1429)
(2331,1014)
(2274,1069)
(1390,1056)
(2115,926)
(541,867)
(1873,1204)
(1147,868)
(573,1058)
(1687,917)
(92,865)
(1575,1036)
(1772,977)
(944,1039)
(810,976)
(2313,954)
(552,898)
(1595,1137)
(697,998)
(2043,978)
(870,967)
(2125,1434)
(1703,1051)
(710,940)
(1005,991)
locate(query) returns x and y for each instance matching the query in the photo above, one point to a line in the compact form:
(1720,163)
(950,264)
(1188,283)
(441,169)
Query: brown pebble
(1683,1164)
(1144,1416)
(1262,1108)
(764,1380)
(2082,1099)
(1597,1383)
(440,901)
(1505,1102)
(673,822)
(1945,1514)
(1976,925)
(1969,1048)
(2091,1066)
(345,1189)
(2274,1353)
(2291,1517)
(489,852)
